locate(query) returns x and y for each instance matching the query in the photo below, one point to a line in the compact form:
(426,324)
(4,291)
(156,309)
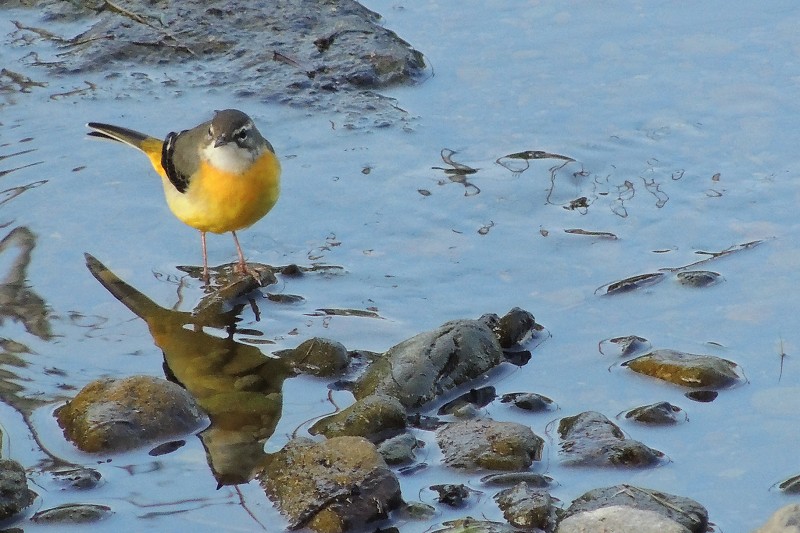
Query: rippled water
(680,120)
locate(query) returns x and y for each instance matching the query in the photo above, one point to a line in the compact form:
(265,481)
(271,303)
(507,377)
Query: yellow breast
(219,201)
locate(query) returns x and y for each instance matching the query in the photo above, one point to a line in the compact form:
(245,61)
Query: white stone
(785,520)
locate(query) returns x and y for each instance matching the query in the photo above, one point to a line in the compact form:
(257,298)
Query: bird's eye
(242,135)
(210,131)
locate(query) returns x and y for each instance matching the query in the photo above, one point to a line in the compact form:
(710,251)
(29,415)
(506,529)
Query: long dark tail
(117,133)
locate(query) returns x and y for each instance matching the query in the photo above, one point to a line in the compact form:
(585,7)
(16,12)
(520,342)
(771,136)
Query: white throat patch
(228,157)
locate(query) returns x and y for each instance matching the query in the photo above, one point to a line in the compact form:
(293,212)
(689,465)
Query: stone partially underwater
(304,53)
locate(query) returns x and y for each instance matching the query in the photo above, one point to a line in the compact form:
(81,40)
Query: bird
(220,176)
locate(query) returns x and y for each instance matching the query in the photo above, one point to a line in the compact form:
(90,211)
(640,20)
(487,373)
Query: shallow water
(680,121)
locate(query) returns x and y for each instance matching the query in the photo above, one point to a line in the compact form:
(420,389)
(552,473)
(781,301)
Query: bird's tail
(140,141)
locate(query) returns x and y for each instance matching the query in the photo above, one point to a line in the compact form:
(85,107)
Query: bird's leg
(205,257)
(242,266)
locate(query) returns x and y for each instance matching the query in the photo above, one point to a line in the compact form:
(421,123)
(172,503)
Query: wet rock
(529,401)
(634,283)
(317,356)
(14,492)
(228,288)
(121,414)
(415,511)
(661,413)
(475,444)
(620,519)
(475,398)
(470,525)
(304,53)
(686,369)
(685,512)
(702,396)
(518,357)
(424,422)
(531,479)
(331,486)
(452,494)
(167,447)
(374,417)
(698,278)
(591,439)
(624,346)
(73,513)
(419,369)
(784,520)
(527,507)
(513,328)
(791,485)
(398,450)
(78,477)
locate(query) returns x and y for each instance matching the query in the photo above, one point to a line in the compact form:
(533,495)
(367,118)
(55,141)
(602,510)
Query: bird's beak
(220,141)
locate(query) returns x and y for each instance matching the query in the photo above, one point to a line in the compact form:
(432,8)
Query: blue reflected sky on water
(652,101)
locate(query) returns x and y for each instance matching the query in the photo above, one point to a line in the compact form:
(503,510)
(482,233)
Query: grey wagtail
(220,176)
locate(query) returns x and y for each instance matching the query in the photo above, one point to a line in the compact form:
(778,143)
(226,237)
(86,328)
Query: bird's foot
(244,269)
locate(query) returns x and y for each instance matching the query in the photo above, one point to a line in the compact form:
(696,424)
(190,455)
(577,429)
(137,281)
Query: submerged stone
(415,511)
(475,398)
(514,327)
(470,525)
(77,477)
(591,439)
(73,513)
(317,356)
(529,401)
(451,494)
(121,414)
(399,449)
(791,485)
(661,413)
(702,396)
(476,444)
(687,369)
(624,346)
(532,479)
(698,278)
(305,53)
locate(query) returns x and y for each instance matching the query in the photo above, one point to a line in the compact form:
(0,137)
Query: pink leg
(242,266)
(205,257)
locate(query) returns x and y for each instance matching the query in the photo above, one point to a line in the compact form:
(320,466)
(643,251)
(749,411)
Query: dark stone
(476,444)
(590,438)
(14,492)
(685,511)
(419,369)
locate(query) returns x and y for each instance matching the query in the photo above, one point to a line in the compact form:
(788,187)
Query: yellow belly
(220,202)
